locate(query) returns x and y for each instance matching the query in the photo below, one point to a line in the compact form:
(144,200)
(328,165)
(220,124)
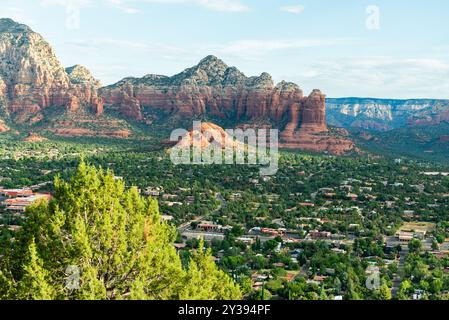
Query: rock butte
(3,127)
(32,80)
(33,137)
(209,134)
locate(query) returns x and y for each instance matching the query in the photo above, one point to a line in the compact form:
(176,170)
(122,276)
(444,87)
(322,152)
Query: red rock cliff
(32,78)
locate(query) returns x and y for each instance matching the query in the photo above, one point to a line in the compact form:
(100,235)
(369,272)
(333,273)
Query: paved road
(397,280)
(185,226)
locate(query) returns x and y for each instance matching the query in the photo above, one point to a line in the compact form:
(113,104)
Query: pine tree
(384,292)
(34,284)
(205,281)
(404,290)
(97,240)
(323,294)
(6,286)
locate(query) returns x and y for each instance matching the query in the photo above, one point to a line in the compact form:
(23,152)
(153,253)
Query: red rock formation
(73,103)
(32,78)
(209,134)
(130,107)
(313,113)
(3,127)
(33,137)
(97,106)
(316,143)
(210,87)
(307,128)
(305,118)
(213,88)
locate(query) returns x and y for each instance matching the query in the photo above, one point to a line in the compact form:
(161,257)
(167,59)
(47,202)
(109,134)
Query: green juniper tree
(214,286)
(97,240)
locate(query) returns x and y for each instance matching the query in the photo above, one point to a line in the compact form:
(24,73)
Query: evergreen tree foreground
(95,240)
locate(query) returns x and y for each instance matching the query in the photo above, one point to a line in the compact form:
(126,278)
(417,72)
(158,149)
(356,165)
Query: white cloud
(125,5)
(278,44)
(381,76)
(296,9)
(66,3)
(17,14)
(256,49)
(247,49)
(122,6)
(214,5)
(129,46)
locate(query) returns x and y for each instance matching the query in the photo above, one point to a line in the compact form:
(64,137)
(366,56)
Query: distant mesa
(211,87)
(386,114)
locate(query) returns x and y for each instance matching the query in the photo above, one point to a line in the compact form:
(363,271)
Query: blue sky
(376,48)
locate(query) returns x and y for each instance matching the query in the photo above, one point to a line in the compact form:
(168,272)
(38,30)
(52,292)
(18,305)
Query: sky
(351,48)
